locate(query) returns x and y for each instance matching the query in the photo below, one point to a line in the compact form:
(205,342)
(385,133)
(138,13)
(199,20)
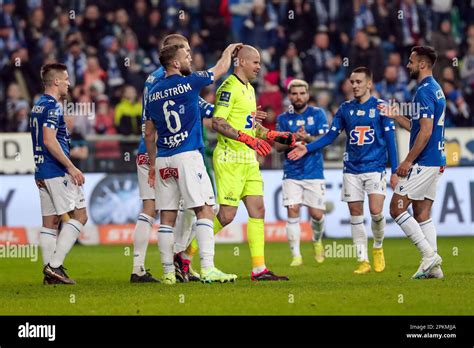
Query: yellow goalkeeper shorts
(237,180)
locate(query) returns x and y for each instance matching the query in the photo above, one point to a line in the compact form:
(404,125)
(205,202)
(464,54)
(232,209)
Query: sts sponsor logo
(362,135)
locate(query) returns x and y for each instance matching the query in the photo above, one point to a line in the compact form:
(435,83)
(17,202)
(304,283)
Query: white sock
(165,245)
(67,237)
(192,235)
(378,228)
(293,231)
(359,236)
(413,231)
(429,230)
(141,235)
(183,229)
(205,239)
(318,229)
(47,243)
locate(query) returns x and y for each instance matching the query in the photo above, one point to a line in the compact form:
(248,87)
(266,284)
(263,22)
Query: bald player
(235,164)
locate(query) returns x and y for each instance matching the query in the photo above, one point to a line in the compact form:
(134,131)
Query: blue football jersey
(366,147)
(315,123)
(47,112)
(205,108)
(173,106)
(431,102)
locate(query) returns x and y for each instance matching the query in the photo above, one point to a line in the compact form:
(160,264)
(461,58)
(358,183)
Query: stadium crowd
(110,47)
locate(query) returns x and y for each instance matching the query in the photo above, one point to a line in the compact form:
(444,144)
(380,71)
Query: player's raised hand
(393,180)
(259,145)
(285,138)
(299,151)
(260,115)
(404,168)
(151,176)
(233,49)
(390,110)
(77,176)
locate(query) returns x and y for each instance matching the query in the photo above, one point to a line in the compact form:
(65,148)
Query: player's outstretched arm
(300,150)
(423,137)
(53,146)
(223,64)
(221,126)
(285,138)
(150,142)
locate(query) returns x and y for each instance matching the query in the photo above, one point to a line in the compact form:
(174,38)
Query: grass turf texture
(102,274)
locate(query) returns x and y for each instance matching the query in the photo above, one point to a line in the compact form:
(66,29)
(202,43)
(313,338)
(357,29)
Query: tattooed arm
(220,125)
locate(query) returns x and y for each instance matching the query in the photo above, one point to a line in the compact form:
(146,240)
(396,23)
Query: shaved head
(248,63)
(247,51)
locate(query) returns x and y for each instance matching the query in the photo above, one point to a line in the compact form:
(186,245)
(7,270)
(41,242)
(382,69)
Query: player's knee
(226,217)
(258,212)
(356,210)
(395,209)
(422,216)
(375,210)
(293,211)
(81,216)
(317,215)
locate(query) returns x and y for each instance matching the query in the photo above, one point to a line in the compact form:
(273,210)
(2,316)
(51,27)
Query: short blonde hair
(298,83)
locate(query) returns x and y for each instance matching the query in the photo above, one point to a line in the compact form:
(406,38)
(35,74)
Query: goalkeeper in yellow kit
(235,165)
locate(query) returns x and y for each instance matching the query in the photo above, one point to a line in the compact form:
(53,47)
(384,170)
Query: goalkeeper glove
(259,145)
(285,138)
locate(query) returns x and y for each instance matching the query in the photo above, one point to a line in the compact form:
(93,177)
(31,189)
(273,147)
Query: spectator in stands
(381,12)
(240,10)
(93,72)
(128,113)
(300,23)
(60,29)
(457,110)
(395,59)
(93,25)
(390,89)
(76,62)
(259,28)
(138,21)
(445,46)
(321,66)
(440,11)
(104,124)
(113,64)
(291,66)
(363,18)
(408,21)
(155,31)
(271,94)
(21,117)
(7,118)
(12,27)
(21,71)
(365,53)
(35,30)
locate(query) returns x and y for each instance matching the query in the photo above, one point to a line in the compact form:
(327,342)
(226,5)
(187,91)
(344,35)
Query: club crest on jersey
(310,120)
(362,135)
(372,113)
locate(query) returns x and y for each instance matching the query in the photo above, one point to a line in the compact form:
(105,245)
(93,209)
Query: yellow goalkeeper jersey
(235,102)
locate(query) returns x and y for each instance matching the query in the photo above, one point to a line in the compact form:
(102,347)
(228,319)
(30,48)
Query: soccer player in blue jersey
(173,115)
(425,162)
(369,138)
(58,180)
(303,180)
(146,218)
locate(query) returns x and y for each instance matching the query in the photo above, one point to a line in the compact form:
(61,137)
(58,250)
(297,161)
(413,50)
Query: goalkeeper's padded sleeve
(285,138)
(325,140)
(259,145)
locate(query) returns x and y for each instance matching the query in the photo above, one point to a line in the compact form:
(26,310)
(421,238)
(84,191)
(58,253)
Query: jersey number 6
(168,114)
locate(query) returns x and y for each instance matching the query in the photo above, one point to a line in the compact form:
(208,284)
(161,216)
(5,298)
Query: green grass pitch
(102,274)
